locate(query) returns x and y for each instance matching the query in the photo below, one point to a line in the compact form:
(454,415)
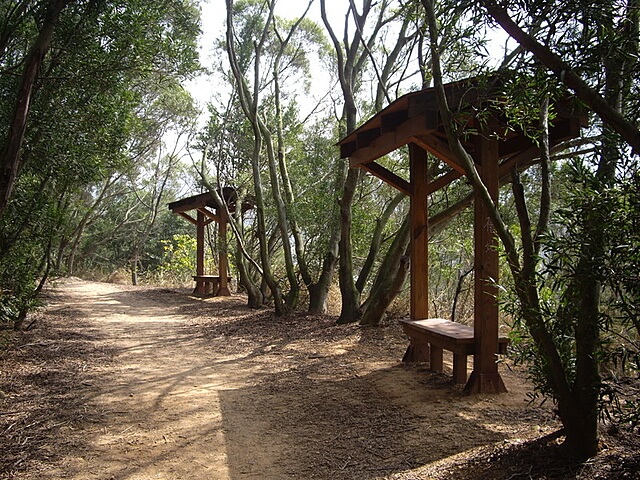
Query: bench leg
(200,288)
(435,359)
(459,368)
(417,353)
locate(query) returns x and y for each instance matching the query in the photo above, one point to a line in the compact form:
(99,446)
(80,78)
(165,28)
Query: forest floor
(119,382)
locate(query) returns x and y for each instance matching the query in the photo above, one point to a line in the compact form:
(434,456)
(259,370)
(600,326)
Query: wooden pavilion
(208,210)
(413,120)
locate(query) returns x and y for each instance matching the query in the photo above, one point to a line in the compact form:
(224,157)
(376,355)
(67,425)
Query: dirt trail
(168,386)
(158,402)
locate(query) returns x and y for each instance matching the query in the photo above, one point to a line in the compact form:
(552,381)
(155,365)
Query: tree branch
(570,78)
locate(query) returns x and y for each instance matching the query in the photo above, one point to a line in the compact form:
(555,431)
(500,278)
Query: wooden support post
(419,233)
(223,260)
(419,218)
(485,377)
(200,286)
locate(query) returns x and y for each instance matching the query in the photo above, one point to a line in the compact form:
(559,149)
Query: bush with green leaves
(179,260)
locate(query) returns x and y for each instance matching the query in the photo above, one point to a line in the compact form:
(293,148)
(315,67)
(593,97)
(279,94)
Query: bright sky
(213,25)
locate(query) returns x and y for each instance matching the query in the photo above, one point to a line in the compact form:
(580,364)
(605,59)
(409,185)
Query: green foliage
(108,90)
(179,259)
(26,229)
(450,259)
(594,236)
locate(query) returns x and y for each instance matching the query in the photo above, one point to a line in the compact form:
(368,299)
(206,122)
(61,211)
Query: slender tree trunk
(319,291)
(291,299)
(579,412)
(376,241)
(391,276)
(255,299)
(349,67)
(249,103)
(10,156)
(350,311)
(289,200)
(79,230)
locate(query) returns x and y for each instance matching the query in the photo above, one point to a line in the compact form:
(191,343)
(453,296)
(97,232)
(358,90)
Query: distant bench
(429,337)
(208,284)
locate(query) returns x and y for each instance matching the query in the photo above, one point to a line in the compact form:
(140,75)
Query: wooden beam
(347,149)
(188,217)
(388,176)
(192,203)
(382,145)
(440,149)
(443,180)
(210,214)
(564,129)
(390,121)
(365,137)
(524,160)
(421,102)
(419,217)
(514,146)
(388,142)
(423,124)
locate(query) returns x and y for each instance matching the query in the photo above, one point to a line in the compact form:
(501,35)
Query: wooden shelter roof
(203,200)
(414,118)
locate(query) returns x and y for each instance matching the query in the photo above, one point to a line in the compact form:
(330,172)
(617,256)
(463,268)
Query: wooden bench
(429,337)
(208,284)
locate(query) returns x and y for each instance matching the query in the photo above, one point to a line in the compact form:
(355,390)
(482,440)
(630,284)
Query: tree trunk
(579,414)
(255,299)
(350,311)
(79,230)
(391,276)
(387,286)
(134,268)
(291,298)
(289,200)
(10,157)
(376,241)
(319,291)
(349,68)
(249,104)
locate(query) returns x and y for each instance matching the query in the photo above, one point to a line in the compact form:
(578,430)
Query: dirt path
(159,402)
(155,384)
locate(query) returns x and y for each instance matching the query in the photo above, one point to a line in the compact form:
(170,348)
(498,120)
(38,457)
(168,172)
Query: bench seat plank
(207,284)
(430,336)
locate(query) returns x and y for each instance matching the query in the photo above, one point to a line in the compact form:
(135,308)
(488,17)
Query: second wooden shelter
(209,210)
